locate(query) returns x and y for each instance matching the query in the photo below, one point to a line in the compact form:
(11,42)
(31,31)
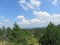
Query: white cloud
(54,2)
(24,7)
(47,17)
(42,19)
(24,21)
(22,1)
(31,4)
(35,21)
(29,23)
(20,17)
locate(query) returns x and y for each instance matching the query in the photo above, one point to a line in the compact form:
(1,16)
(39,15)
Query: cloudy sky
(29,13)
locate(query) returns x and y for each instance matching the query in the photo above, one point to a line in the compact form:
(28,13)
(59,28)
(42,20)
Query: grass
(5,43)
(35,42)
(0,43)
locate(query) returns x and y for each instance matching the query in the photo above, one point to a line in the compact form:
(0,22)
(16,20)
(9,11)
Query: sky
(29,13)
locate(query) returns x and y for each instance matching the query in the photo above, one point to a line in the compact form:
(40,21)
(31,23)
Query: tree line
(49,35)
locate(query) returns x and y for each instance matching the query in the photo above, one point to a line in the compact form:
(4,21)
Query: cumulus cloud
(54,2)
(42,19)
(47,17)
(20,17)
(31,4)
(35,22)
(24,21)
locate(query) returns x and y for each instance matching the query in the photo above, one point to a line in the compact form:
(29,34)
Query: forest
(49,35)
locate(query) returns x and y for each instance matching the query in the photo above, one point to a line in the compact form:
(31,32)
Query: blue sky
(29,13)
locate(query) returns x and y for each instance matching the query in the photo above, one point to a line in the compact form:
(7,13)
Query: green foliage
(50,35)
(38,36)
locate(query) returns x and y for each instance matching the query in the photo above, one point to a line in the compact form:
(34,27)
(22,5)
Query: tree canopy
(49,35)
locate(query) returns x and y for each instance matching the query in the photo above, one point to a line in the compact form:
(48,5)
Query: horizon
(28,27)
